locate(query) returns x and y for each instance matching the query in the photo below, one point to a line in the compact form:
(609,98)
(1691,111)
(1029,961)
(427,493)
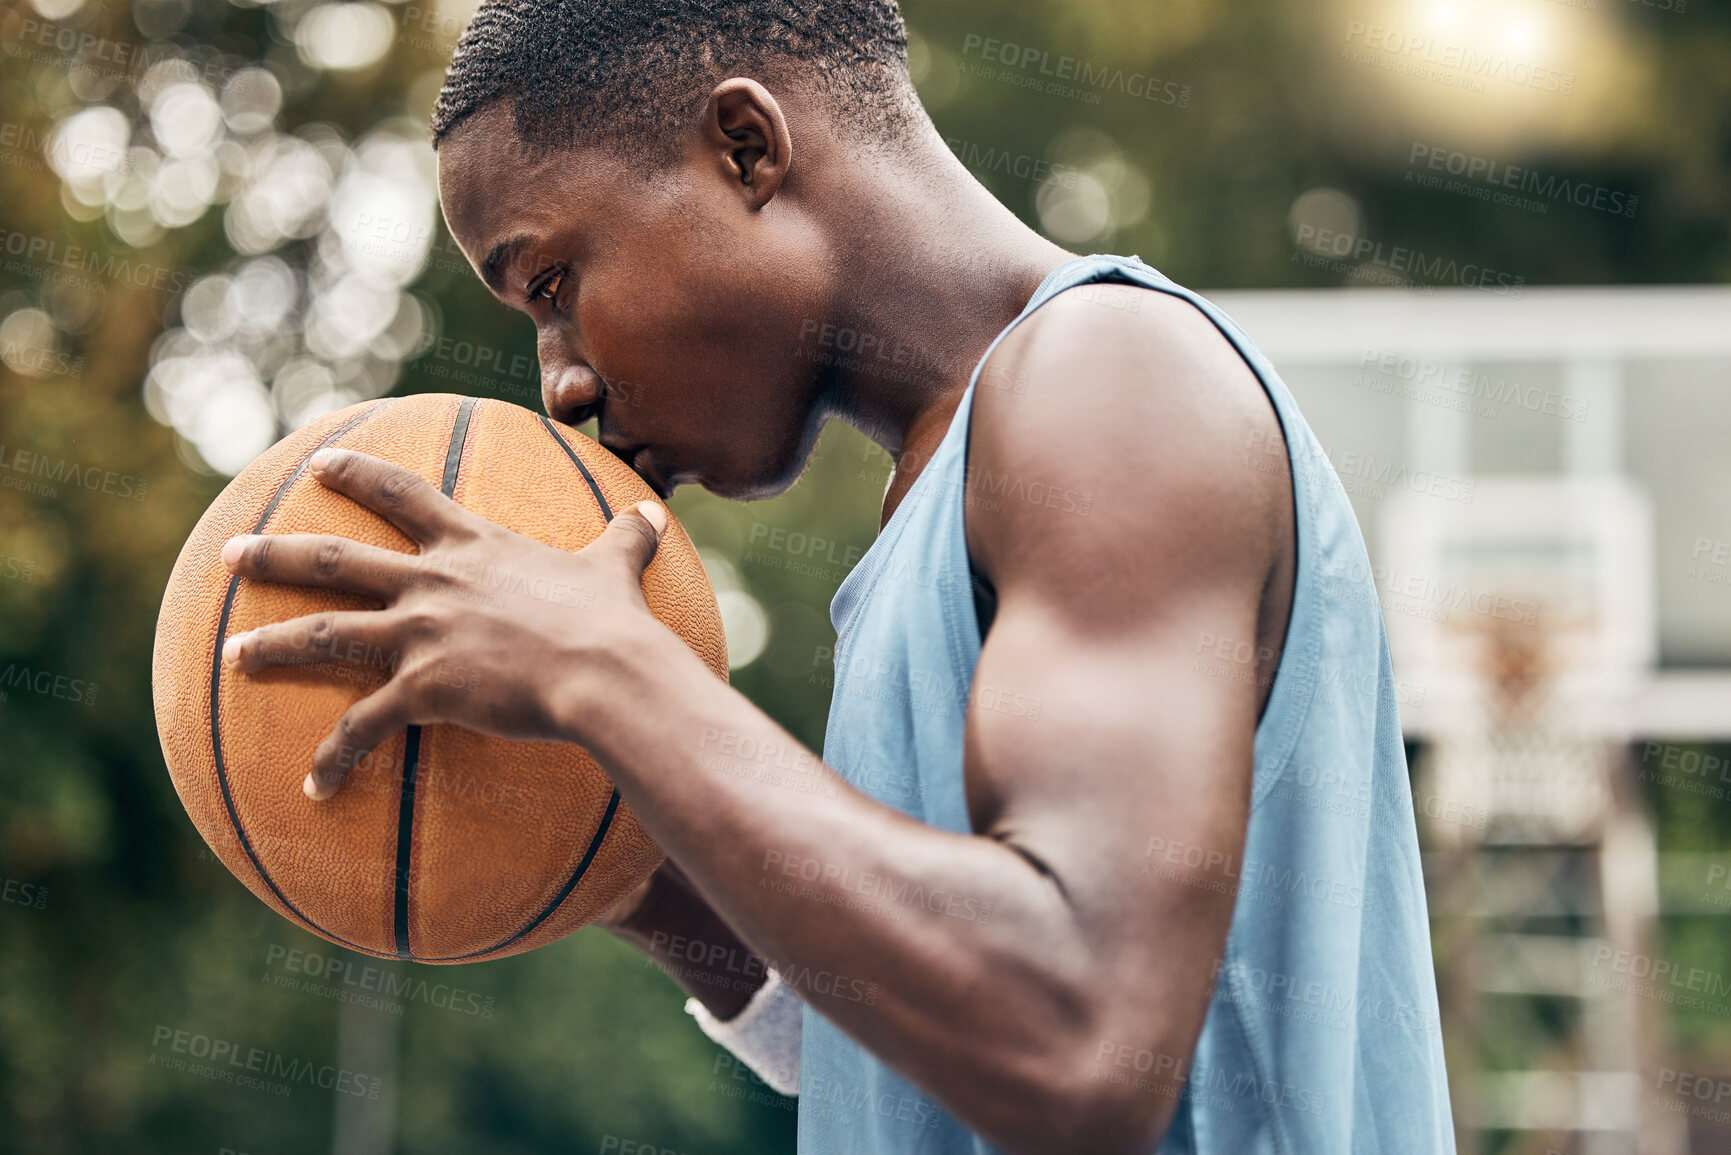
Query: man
(1128,856)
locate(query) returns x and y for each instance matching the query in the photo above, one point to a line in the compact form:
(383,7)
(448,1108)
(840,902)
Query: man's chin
(736,489)
(730,490)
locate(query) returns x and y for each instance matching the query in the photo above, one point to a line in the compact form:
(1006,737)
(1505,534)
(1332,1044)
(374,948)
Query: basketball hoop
(1526,616)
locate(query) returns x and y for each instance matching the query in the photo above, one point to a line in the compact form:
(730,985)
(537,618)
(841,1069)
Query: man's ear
(744,126)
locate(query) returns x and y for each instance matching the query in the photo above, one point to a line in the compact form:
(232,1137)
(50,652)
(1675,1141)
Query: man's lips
(641,459)
(643,464)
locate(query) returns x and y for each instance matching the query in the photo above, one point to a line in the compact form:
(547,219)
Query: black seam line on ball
(412,737)
(406,836)
(216,685)
(606,510)
(576,877)
(459,438)
(612,802)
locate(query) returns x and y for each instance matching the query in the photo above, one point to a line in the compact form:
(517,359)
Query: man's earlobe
(746,123)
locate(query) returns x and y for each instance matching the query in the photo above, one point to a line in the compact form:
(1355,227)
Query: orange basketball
(443,845)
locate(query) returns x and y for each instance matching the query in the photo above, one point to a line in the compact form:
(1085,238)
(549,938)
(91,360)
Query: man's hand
(484,628)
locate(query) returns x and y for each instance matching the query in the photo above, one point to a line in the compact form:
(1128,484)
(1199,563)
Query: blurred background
(1486,242)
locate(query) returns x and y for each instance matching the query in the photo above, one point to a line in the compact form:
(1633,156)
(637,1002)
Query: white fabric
(764,1035)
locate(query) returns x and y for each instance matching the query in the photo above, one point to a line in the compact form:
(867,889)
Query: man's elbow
(1103,1098)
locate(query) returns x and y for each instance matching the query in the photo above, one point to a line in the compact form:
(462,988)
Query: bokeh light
(1093,191)
(742,616)
(345,36)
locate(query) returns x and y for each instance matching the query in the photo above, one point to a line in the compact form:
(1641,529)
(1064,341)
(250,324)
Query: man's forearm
(699,951)
(915,940)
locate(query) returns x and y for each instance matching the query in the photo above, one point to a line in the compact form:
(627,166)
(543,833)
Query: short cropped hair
(640,69)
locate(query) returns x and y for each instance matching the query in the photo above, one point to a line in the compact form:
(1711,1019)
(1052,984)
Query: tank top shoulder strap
(946,469)
(1069,275)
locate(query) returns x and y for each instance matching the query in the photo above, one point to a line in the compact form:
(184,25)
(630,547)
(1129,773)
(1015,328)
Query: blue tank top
(1322,1034)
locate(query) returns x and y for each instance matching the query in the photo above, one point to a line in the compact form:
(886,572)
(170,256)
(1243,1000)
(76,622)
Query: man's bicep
(1125,776)
(1086,752)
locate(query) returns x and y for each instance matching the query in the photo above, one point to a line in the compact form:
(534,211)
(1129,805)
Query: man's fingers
(633,535)
(368,723)
(307,559)
(392,492)
(365,637)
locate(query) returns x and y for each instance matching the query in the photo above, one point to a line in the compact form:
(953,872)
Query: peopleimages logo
(1459,388)
(230,1062)
(59,259)
(1328,248)
(41,470)
(45,41)
(986,159)
(343,980)
(1489,177)
(22,146)
(1454,63)
(1087,75)
(29,894)
(48,684)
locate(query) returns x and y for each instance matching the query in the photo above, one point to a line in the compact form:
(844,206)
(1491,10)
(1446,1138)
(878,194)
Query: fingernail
(319,460)
(655,514)
(232,549)
(231,649)
(311,789)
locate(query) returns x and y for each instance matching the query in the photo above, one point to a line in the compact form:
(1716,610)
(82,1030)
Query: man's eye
(548,287)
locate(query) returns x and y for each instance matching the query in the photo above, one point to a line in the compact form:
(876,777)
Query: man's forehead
(500,195)
(484,170)
(496,194)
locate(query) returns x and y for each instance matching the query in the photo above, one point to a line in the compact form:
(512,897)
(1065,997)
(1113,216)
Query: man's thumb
(638,531)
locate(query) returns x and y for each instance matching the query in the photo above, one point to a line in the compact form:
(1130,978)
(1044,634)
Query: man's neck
(937,269)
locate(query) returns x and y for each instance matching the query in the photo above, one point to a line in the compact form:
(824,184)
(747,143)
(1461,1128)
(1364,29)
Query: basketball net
(1524,756)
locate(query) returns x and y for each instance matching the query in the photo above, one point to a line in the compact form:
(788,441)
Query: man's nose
(571,392)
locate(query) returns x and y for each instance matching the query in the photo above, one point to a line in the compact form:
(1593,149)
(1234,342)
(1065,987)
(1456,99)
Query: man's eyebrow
(502,255)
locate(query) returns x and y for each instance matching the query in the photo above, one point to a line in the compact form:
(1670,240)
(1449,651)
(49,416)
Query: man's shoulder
(1114,393)
(1130,389)
(1123,339)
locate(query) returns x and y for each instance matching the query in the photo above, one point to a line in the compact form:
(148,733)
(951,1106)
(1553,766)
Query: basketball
(444,845)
